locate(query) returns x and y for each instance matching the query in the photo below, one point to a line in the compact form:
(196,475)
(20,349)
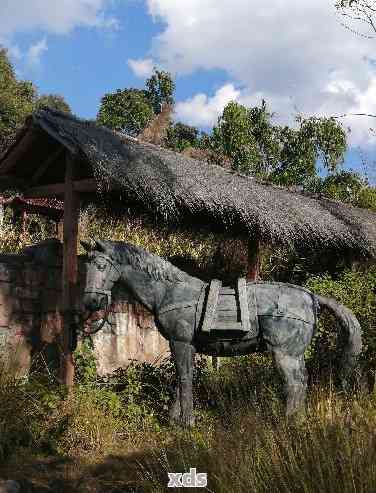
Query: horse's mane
(156,267)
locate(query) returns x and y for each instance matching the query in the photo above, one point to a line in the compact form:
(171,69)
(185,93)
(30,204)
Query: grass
(86,441)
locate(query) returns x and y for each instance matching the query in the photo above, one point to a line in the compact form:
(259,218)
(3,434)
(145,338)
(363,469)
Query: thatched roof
(178,188)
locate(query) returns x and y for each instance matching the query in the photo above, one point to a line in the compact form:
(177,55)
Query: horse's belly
(220,347)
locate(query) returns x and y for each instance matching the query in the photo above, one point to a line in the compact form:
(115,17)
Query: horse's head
(101,274)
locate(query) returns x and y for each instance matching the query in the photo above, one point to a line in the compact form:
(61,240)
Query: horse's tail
(353,336)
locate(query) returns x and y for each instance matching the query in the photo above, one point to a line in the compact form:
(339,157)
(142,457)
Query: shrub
(357,290)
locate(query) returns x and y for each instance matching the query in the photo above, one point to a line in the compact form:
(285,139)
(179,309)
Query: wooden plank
(243,303)
(18,150)
(43,167)
(227,291)
(58,189)
(228,326)
(211,305)
(70,270)
(226,301)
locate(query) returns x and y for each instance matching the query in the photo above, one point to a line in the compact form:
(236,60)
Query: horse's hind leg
(183,354)
(294,374)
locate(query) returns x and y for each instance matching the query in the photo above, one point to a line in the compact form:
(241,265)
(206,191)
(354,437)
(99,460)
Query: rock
(9,486)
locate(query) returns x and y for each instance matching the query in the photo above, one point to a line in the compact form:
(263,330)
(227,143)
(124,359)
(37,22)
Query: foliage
(344,186)
(355,289)
(181,136)
(144,389)
(280,154)
(126,110)
(160,89)
(85,362)
(233,137)
(54,101)
(131,110)
(17,99)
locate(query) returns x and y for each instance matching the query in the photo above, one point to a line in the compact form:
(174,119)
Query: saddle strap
(174,306)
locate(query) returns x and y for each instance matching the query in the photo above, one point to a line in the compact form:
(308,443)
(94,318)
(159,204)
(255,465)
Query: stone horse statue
(199,317)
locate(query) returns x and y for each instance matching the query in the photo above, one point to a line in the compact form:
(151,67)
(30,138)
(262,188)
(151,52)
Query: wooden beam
(70,271)
(43,167)
(19,149)
(58,189)
(254,259)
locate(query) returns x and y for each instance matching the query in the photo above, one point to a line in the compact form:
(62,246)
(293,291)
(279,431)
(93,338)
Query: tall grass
(112,433)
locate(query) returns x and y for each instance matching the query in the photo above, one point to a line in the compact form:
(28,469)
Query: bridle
(102,292)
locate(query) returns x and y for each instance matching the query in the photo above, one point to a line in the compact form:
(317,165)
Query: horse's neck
(145,290)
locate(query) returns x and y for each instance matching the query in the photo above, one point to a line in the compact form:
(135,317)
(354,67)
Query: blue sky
(295,55)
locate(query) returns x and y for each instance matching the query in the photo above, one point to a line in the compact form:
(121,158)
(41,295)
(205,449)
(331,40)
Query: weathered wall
(30,296)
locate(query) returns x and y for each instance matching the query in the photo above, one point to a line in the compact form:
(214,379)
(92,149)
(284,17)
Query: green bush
(357,290)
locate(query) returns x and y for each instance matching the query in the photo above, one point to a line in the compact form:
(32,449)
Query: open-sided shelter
(58,155)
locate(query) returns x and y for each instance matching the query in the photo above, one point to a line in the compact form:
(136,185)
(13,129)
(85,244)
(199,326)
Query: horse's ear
(87,245)
(100,246)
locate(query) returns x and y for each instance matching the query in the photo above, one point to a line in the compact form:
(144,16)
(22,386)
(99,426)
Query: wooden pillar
(254,259)
(23,221)
(59,229)
(1,216)
(70,271)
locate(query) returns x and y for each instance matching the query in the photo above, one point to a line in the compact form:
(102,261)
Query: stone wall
(30,296)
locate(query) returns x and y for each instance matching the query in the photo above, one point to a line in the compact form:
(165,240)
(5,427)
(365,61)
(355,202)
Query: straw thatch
(179,188)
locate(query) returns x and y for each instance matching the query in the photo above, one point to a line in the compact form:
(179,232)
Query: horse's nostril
(90,302)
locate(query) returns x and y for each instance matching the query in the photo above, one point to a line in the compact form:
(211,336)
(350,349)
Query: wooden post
(70,271)
(23,221)
(59,229)
(254,258)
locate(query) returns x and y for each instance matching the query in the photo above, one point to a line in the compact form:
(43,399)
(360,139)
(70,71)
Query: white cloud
(141,67)
(294,54)
(55,17)
(202,110)
(34,53)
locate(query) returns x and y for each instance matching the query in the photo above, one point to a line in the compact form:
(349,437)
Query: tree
(233,137)
(160,89)
(54,101)
(181,136)
(315,140)
(127,110)
(362,12)
(17,99)
(280,154)
(131,110)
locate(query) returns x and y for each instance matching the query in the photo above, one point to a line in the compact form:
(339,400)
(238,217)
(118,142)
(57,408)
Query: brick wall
(30,296)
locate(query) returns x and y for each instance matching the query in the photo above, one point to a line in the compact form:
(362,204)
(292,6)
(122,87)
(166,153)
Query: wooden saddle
(231,311)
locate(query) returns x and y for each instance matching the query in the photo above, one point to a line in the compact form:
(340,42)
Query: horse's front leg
(183,354)
(174,412)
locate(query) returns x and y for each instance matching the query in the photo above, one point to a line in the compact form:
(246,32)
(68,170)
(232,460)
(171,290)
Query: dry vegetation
(110,434)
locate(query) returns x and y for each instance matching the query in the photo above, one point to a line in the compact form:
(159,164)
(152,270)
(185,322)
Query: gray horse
(286,318)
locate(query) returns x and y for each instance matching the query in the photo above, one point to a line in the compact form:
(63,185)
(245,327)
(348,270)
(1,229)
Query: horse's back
(277,299)
(287,314)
